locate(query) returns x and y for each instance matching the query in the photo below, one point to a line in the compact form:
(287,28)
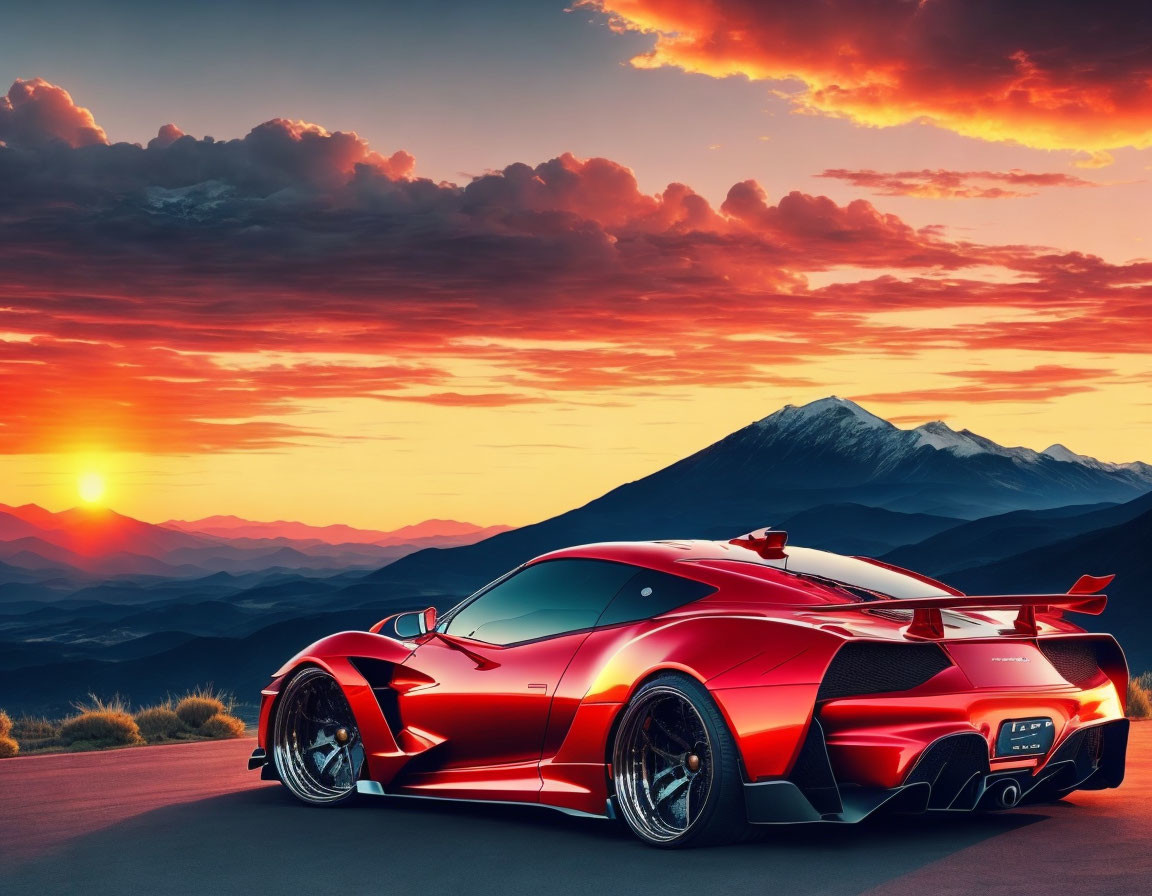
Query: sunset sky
(372,263)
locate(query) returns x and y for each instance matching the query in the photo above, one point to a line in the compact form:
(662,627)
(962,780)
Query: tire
(676,769)
(316,744)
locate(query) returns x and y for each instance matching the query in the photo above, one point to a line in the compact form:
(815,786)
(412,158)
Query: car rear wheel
(316,745)
(675,767)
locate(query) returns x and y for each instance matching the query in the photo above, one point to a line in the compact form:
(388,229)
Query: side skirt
(375,788)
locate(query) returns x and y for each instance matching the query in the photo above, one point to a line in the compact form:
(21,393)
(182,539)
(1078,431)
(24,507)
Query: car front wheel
(316,745)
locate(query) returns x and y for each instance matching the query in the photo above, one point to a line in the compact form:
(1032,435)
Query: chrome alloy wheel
(662,765)
(316,746)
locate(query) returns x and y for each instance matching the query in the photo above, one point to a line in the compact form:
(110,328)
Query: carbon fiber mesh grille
(1082,751)
(871,668)
(953,767)
(1074,659)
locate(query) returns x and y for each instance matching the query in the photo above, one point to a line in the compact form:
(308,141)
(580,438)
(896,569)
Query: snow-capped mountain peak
(832,408)
(965,443)
(1059,452)
(845,435)
(1066,455)
(939,435)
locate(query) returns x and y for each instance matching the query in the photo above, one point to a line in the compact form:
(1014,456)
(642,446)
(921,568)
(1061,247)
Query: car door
(492,667)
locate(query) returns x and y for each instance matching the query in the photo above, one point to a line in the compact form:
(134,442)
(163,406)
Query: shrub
(30,728)
(1139,699)
(8,747)
(195,711)
(159,723)
(101,729)
(222,725)
(101,724)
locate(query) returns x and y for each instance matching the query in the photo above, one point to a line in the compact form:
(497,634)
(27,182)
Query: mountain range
(86,541)
(443,531)
(84,604)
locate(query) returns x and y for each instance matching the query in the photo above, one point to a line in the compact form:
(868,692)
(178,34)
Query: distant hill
(241,665)
(994,538)
(858,529)
(444,532)
(1123,549)
(94,542)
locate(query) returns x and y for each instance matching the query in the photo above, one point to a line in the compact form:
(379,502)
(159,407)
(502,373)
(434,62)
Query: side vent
(1075,659)
(378,673)
(869,667)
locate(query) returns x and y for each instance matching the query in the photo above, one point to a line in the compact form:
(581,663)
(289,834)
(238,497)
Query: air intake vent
(1074,659)
(866,667)
(378,673)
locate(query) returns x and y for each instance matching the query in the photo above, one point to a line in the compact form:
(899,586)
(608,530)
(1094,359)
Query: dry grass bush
(32,728)
(115,703)
(8,747)
(1139,698)
(160,723)
(200,705)
(195,711)
(101,723)
(222,725)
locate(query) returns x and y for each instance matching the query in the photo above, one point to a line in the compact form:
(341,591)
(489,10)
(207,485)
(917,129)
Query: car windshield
(855,573)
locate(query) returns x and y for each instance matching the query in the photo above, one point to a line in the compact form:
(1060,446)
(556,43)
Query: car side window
(650,593)
(541,600)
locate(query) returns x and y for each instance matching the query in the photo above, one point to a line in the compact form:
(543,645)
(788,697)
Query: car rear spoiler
(1083,597)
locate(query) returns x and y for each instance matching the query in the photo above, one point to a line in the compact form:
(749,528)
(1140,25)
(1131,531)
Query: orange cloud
(59,395)
(942,184)
(1035,384)
(136,276)
(1048,75)
(35,113)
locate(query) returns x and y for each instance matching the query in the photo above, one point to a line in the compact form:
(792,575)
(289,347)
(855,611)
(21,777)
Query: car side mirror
(412,624)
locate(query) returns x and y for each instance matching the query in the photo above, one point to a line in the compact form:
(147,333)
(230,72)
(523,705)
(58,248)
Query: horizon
(101,505)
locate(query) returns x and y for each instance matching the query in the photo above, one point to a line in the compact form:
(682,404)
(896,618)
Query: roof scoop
(768,543)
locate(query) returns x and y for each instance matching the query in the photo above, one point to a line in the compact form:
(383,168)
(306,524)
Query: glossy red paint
(449,716)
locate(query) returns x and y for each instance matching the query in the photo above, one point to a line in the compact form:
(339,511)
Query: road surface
(190,819)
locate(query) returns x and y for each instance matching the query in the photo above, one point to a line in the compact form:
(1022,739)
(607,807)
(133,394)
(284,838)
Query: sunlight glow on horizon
(91,487)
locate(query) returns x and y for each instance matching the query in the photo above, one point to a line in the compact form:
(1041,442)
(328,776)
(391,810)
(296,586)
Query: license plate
(1025,737)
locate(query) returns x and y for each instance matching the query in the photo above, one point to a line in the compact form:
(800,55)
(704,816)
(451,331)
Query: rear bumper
(952,775)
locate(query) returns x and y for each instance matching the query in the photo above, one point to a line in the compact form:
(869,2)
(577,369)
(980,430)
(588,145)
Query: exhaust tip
(1008,797)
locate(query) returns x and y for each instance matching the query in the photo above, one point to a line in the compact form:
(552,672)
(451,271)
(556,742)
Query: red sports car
(692,688)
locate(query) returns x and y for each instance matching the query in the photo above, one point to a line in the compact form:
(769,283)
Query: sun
(91,487)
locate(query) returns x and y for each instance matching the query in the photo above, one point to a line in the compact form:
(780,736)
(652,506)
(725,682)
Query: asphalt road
(191,819)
